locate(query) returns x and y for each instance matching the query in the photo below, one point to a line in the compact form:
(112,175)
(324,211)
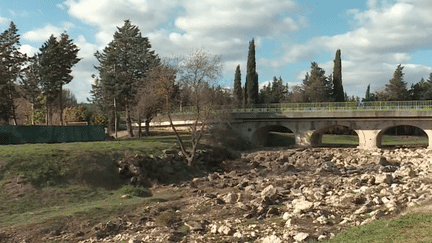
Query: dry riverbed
(284,195)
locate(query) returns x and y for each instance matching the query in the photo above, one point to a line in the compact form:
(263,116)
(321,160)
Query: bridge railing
(325,107)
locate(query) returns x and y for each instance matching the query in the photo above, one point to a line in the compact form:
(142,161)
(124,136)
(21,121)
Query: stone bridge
(309,126)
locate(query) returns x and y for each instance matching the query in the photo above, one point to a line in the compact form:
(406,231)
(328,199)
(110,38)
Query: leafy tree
(316,86)
(77,113)
(149,102)
(56,59)
(251,84)
(338,92)
(11,61)
(396,89)
(123,65)
(238,91)
(200,72)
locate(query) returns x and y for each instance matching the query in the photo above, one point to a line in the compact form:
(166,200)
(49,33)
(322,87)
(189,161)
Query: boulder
(383,178)
(270,192)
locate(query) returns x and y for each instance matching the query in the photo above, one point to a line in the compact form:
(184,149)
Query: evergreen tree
(419,90)
(396,88)
(238,91)
(338,92)
(251,85)
(30,83)
(123,65)
(368,96)
(316,86)
(427,92)
(56,59)
(11,61)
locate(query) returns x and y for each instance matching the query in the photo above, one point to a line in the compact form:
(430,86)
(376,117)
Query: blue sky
(374,36)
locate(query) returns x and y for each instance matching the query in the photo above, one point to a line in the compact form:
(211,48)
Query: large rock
(270,192)
(383,178)
(230,198)
(271,239)
(301,237)
(300,205)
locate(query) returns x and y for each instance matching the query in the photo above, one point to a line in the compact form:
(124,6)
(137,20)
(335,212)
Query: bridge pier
(303,137)
(368,139)
(429,134)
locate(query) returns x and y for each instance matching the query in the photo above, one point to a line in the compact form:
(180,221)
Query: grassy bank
(78,180)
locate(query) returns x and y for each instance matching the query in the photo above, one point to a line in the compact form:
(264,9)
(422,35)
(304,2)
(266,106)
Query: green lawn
(410,228)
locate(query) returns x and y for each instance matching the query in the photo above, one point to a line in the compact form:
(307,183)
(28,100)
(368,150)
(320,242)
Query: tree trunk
(47,116)
(139,126)
(33,114)
(115,117)
(147,127)
(61,105)
(129,123)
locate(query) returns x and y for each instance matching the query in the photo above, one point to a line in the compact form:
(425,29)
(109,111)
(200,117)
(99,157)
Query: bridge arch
(261,135)
(317,135)
(418,130)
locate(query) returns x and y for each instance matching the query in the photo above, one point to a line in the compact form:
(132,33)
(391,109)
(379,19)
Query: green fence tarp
(50,134)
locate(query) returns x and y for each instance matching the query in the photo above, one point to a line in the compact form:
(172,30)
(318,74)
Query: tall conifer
(238,91)
(338,92)
(251,86)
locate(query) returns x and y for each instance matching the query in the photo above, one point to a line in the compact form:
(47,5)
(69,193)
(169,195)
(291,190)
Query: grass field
(69,179)
(79,182)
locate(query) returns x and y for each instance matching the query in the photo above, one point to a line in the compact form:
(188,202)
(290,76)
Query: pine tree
(427,94)
(30,83)
(338,92)
(11,62)
(56,59)
(251,85)
(419,90)
(396,89)
(316,86)
(123,65)
(238,91)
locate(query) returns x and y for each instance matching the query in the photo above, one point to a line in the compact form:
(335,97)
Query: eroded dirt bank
(286,195)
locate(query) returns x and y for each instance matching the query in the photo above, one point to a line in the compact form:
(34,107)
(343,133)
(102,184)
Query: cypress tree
(338,92)
(368,94)
(251,86)
(238,91)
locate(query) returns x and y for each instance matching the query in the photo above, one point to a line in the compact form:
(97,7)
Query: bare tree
(199,72)
(149,102)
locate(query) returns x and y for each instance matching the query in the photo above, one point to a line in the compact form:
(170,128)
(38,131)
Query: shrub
(135,191)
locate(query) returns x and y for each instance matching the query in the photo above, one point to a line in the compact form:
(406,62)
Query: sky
(374,36)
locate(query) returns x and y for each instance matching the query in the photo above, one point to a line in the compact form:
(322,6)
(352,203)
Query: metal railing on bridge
(326,107)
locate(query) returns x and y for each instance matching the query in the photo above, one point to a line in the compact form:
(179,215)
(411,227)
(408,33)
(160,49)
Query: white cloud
(44,33)
(60,6)
(29,50)
(386,34)
(4,20)
(223,27)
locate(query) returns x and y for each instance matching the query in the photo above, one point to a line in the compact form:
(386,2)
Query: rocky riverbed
(287,195)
